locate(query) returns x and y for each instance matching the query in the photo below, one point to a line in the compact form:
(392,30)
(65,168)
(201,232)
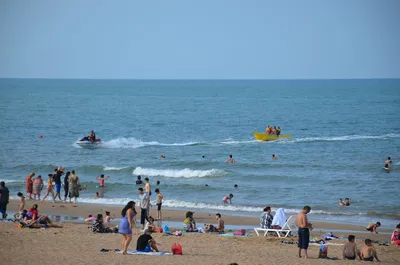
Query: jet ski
(86,143)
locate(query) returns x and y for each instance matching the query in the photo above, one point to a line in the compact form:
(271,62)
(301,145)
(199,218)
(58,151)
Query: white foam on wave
(342,138)
(178,173)
(12,181)
(114,168)
(136,143)
(235,142)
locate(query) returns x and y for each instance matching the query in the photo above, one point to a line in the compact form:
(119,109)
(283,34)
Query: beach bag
(241,232)
(323,252)
(176,249)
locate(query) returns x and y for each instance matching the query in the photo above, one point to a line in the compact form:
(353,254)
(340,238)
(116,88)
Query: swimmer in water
(274,157)
(101,179)
(347,201)
(227,198)
(236,186)
(387,162)
(230,160)
(139,180)
(341,203)
(97,196)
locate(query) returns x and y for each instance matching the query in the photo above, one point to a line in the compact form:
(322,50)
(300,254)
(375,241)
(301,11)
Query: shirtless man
(221,224)
(230,160)
(147,189)
(304,233)
(387,162)
(274,157)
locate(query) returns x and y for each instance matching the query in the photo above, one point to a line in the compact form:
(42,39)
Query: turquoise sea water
(343,131)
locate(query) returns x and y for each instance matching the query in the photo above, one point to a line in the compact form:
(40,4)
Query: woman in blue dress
(125,227)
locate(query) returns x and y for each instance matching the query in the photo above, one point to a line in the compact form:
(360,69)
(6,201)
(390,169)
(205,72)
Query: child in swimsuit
(368,253)
(373,227)
(227,198)
(350,249)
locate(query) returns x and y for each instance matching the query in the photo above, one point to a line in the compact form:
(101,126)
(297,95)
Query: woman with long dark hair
(125,227)
(66,185)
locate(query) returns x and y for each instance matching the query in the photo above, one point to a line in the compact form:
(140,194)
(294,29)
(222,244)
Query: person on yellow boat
(268,130)
(278,131)
(273,130)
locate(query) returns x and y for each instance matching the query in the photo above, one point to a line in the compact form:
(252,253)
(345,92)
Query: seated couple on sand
(368,252)
(99,226)
(32,219)
(268,221)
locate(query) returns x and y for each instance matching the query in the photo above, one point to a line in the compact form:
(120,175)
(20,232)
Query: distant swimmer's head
(235,186)
(231,195)
(230,156)
(389,158)
(157,191)
(340,200)
(206,185)
(139,177)
(203,156)
(158,182)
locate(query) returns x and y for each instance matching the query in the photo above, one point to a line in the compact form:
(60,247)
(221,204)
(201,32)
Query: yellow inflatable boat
(269,137)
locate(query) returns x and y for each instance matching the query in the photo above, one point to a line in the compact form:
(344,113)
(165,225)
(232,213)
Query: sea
(343,131)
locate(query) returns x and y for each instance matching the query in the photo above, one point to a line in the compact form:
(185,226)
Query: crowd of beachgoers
(270,224)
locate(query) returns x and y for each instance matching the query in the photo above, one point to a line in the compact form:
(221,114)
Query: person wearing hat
(190,223)
(146,243)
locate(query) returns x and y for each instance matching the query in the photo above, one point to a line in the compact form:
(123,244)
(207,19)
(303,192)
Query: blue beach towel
(134,252)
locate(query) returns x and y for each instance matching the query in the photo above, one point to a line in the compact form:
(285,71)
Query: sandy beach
(76,244)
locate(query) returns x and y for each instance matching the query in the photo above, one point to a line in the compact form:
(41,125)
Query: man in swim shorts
(57,179)
(304,232)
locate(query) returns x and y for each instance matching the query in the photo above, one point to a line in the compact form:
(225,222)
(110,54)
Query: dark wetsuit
(66,185)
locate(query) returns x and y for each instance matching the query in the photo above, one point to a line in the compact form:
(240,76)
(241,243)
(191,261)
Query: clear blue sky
(206,39)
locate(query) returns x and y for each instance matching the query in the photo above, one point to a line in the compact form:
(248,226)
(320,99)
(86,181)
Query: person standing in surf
(144,205)
(304,230)
(101,180)
(57,179)
(147,189)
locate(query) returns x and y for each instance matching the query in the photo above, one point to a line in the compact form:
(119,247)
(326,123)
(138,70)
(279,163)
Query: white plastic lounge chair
(289,226)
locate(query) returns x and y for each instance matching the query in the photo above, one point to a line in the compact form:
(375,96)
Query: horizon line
(197,79)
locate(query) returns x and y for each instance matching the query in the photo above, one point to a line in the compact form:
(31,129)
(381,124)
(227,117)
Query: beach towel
(279,218)
(134,252)
(330,244)
(232,234)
